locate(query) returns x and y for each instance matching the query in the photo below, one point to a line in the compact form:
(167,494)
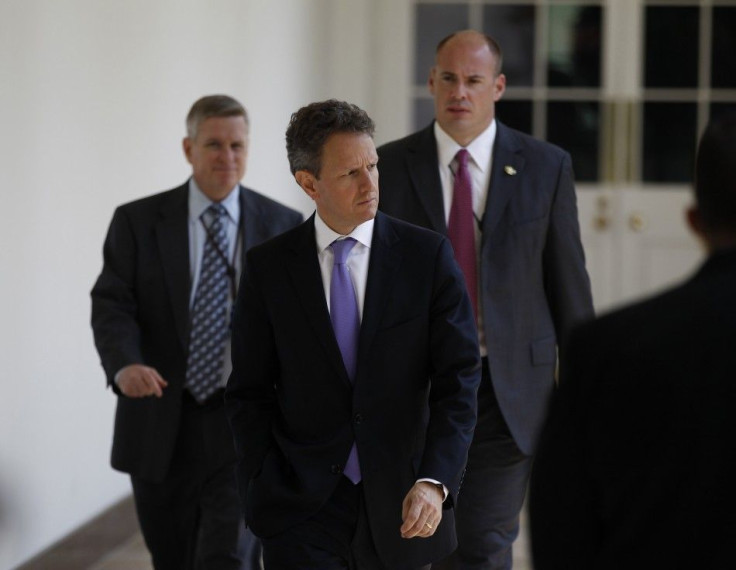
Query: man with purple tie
(355,369)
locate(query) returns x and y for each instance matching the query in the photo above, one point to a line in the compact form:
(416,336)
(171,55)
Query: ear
(431,80)
(500,87)
(695,220)
(307,181)
(186,144)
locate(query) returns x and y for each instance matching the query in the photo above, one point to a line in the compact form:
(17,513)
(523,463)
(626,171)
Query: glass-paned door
(626,86)
(552,62)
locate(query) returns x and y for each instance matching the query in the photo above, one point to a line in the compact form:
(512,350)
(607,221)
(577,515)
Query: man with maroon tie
(507,202)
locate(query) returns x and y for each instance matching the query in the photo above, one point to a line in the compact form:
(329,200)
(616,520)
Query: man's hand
(421,510)
(139,381)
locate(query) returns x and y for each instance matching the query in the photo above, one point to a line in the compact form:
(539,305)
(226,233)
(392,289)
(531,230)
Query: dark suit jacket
(533,281)
(637,466)
(295,414)
(140,313)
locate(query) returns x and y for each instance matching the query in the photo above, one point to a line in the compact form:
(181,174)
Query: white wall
(93,95)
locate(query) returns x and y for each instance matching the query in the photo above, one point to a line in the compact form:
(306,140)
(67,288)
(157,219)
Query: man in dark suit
(637,464)
(509,208)
(352,396)
(171,263)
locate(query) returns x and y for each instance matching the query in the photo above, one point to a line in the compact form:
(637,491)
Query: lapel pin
(510,170)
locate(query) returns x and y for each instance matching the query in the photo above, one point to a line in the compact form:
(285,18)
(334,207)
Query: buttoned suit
(532,287)
(141,314)
(636,467)
(411,409)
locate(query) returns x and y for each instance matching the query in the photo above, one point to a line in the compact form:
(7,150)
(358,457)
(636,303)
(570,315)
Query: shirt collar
(480,148)
(199,202)
(325,235)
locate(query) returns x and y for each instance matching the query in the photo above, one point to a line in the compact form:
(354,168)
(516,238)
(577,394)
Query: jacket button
(336,469)
(358,418)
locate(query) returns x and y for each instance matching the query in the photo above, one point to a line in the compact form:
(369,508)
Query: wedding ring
(428,525)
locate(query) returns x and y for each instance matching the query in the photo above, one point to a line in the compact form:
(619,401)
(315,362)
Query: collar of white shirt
(325,235)
(480,148)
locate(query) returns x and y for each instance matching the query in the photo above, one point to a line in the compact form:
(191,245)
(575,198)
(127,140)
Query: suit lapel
(502,184)
(307,282)
(171,233)
(384,263)
(425,177)
(253,222)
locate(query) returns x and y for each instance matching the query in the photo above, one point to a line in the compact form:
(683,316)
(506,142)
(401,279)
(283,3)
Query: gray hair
(213,106)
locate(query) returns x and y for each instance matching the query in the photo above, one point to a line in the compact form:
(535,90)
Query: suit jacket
(140,313)
(411,409)
(637,465)
(533,282)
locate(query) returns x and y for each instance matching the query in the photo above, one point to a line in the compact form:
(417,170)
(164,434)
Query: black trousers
(492,492)
(338,537)
(192,520)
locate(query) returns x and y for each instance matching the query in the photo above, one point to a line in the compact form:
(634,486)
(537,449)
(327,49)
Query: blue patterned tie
(346,324)
(209,314)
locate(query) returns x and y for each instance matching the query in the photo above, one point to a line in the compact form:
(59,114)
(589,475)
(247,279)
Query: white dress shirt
(480,166)
(480,163)
(357,263)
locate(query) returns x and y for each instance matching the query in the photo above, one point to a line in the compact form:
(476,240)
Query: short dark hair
(311,126)
(213,106)
(493,45)
(715,173)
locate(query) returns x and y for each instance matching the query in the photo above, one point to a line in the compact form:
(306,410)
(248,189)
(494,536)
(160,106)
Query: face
(218,154)
(465,86)
(346,192)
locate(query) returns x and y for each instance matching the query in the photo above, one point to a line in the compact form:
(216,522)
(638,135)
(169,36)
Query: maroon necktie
(461,227)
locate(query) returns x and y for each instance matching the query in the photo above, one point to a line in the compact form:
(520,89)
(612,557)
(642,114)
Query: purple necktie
(461,226)
(346,324)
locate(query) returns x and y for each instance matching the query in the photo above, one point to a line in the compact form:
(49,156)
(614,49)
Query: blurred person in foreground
(637,464)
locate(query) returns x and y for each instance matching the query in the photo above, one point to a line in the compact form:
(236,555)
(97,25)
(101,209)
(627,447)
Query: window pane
(574,55)
(669,142)
(718,109)
(723,62)
(513,28)
(574,125)
(434,22)
(516,114)
(423,112)
(671,46)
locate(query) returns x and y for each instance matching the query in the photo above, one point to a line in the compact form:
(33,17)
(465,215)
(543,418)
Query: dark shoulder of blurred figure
(636,466)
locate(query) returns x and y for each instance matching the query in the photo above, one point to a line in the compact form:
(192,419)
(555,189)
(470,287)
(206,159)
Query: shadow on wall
(9,532)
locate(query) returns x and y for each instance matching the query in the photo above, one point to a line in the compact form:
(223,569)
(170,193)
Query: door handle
(601,222)
(637,222)
(602,219)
